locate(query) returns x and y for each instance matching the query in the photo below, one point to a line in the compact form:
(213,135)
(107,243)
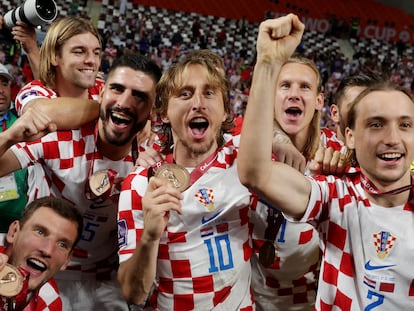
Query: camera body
(32,12)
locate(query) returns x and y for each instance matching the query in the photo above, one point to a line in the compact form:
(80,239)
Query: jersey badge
(384,242)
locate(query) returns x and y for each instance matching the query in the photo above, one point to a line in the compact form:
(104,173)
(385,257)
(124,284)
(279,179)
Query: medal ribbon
(369,187)
(111,174)
(268,251)
(21,298)
(198,171)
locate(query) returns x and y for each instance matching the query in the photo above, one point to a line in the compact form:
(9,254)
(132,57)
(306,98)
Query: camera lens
(32,12)
(46,9)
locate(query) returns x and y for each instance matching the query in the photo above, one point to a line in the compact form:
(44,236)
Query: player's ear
(349,138)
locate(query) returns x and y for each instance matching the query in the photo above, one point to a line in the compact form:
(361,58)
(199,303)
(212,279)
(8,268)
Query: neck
(70,90)
(113,152)
(339,134)
(387,192)
(389,200)
(299,141)
(188,158)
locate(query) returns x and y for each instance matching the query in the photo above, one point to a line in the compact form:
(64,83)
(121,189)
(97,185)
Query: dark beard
(115,138)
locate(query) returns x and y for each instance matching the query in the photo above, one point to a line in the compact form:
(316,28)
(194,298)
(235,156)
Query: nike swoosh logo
(205,220)
(370,267)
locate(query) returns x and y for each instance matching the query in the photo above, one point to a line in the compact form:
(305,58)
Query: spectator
(14,186)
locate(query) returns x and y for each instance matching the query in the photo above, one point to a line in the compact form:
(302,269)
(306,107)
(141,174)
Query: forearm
(34,59)
(256,139)
(137,274)
(66,112)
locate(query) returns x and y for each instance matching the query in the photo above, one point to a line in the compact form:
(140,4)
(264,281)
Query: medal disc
(99,182)
(267,254)
(177,175)
(11,281)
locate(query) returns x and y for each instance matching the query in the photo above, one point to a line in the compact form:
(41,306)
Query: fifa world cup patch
(29,93)
(122,233)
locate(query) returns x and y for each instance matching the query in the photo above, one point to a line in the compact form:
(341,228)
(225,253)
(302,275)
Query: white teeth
(390,155)
(119,116)
(38,263)
(198,120)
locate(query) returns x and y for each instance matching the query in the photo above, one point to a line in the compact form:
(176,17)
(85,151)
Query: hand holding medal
(11,281)
(175,174)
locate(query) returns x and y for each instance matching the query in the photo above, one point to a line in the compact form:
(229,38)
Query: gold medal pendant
(177,175)
(268,253)
(11,281)
(99,182)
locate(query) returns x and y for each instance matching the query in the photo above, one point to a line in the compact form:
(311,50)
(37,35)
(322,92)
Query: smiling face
(126,101)
(196,111)
(42,246)
(297,98)
(383,136)
(77,62)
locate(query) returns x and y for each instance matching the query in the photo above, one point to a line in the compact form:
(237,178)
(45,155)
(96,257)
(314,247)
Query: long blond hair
(60,31)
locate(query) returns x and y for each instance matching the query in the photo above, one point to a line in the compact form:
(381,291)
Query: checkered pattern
(354,276)
(203,259)
(66,157)
(292,280)
(329,139)
(36,89)
(48,297)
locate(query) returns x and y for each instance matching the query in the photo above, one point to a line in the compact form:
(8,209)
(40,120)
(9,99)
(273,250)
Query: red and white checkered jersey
(330,139)
(66,158)
(36,89)
(204,254)
(48,298)
(290,283)
(368,249)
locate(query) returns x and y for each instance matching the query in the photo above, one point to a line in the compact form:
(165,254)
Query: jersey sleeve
(130,218)
(33,90)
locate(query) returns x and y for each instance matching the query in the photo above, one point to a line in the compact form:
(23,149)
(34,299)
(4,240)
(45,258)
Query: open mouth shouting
(293,113)
(36,264)
(198,126)
(121,118)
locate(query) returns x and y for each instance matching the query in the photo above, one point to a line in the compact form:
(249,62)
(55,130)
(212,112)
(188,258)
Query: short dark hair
(361,79)
(138,62)
(60,206)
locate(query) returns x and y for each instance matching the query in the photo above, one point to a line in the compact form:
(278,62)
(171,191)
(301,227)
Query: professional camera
(32,12)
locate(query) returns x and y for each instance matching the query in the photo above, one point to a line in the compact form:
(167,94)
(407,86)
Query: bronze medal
(99,182)
(11,281)
(267,254)
(177,175)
